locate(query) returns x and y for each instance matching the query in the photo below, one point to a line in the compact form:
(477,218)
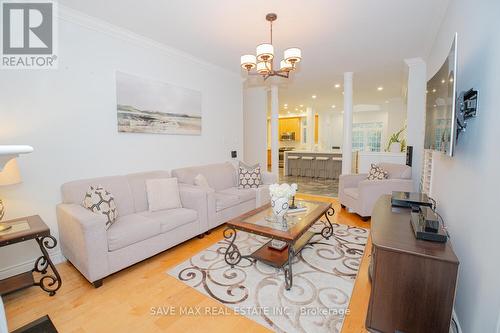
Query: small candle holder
(293,206)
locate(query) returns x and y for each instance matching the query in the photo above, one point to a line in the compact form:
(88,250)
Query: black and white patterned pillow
(100,201)
(377,173)
(249,176)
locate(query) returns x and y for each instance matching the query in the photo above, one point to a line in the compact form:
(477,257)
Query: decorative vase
(280,207)
(395,147)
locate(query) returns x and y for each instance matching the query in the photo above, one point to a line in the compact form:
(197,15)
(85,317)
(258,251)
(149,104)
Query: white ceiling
(370,38)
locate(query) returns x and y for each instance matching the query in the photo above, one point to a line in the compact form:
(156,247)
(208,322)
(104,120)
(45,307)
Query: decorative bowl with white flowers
(280,196)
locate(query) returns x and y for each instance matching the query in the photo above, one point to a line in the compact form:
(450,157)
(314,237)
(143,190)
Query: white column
(274,130)
(310,128)
(417,81)
(347,126)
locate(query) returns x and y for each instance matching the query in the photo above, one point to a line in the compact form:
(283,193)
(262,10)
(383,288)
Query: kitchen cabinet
(291,124)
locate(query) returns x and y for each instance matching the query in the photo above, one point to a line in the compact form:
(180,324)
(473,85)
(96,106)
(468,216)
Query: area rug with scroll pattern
(323,279)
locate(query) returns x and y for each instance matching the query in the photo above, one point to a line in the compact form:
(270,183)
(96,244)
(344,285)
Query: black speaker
(234,154)
(409,155)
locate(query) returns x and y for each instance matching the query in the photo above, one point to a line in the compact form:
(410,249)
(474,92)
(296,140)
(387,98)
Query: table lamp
(9,175)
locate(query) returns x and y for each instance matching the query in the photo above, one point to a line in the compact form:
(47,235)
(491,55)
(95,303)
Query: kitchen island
(310,163)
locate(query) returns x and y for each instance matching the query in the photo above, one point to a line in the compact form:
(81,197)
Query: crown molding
(92,23)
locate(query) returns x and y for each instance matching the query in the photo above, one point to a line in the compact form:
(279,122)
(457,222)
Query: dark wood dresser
(413,281)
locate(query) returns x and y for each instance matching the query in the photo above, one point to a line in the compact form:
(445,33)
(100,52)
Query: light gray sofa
(224,199)
(359,194)
(137,233)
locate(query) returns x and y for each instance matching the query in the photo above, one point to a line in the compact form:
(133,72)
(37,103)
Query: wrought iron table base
(287,268)
(233,256)
(327,230)
(48,282)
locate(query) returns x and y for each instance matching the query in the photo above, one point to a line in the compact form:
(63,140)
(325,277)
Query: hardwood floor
(124,302)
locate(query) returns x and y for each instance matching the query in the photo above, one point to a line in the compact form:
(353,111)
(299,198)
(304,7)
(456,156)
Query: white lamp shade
(263,68)
(293,55)
(265,52)
(284,66)
(248,61)
(10,174)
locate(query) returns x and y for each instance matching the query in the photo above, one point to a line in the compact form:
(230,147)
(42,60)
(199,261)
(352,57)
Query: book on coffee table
(295,233)
(297,210)
(277,244)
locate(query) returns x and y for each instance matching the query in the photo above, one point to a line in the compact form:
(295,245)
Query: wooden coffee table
(295,233)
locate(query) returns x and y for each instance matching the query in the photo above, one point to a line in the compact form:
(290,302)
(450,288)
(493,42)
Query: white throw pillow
(163,193)
(201,181)
(100,201)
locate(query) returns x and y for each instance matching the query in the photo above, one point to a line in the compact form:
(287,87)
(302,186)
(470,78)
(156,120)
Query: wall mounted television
(441,114)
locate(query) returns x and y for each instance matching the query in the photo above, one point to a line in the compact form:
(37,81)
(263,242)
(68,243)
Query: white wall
(416,115)
(337,122)
(255,125)
(69,116)
(330,128)
(332,124)
(396,117)
(467,185)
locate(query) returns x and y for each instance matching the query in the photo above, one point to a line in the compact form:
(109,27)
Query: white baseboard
(6,272)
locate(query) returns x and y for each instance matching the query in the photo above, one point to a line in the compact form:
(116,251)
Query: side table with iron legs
(25,229)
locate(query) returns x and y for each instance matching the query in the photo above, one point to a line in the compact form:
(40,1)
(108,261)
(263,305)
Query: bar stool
(294,162)
(308,163)
(337,167)
(321,164)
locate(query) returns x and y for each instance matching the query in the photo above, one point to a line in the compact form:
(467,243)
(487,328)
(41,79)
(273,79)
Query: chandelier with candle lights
(262,62)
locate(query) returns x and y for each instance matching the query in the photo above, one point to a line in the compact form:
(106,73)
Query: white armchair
(359,194)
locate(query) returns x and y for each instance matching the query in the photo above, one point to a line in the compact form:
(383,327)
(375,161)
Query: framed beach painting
(150,106)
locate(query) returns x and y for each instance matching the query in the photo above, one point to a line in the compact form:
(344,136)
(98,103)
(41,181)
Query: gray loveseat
(136,235)
(224,199)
